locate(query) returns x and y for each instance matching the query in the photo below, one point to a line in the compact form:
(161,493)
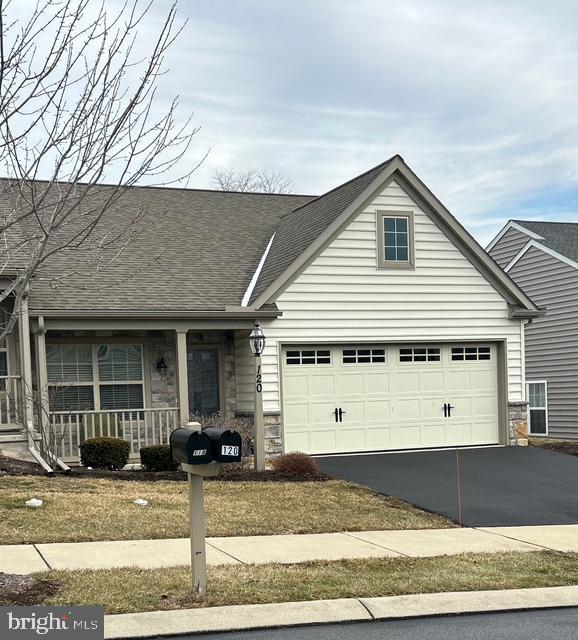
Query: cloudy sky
(480,98)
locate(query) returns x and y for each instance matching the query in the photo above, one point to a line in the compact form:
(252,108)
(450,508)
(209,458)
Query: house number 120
(258,380)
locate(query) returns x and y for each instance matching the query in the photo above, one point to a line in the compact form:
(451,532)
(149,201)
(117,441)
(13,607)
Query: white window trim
(96,382)
(545,407)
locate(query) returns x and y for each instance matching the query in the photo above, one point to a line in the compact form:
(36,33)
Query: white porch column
(26,367)
(42,376)
(182,376)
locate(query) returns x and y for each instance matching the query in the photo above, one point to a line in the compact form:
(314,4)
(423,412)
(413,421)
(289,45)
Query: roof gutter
(231,314)
(520,313)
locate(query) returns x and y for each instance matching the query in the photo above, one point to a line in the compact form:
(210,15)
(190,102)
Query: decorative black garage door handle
(341,412)
(336,415)
(445,409)
(450,407)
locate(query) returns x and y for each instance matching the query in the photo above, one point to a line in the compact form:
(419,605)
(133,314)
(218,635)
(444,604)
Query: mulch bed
(561,446)
(16,590)
(13,467)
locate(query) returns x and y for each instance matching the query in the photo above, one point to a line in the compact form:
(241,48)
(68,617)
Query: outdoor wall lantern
(257,344)
(257,340)
(162,367)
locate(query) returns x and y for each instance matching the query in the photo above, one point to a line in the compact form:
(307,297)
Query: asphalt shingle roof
(192,250)
(558,236)
(299,228)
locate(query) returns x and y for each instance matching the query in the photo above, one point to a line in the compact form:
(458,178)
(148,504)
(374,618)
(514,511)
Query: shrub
(104,453)
(158,458)
(296,464)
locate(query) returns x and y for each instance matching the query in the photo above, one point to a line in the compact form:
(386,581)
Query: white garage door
(368,398)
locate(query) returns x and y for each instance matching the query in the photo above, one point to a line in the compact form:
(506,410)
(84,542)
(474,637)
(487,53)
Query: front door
(204,377)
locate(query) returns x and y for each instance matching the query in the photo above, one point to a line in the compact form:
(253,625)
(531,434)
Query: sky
(479,98)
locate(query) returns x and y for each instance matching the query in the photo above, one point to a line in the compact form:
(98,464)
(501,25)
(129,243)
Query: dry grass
(95,509)
(131,590)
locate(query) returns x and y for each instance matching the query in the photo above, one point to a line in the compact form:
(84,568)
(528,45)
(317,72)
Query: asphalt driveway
(510,486)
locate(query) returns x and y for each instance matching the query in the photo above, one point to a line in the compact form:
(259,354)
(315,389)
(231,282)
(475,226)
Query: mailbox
(190,447)
(226,445)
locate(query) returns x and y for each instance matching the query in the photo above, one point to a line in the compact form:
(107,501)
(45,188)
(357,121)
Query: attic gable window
(395,240)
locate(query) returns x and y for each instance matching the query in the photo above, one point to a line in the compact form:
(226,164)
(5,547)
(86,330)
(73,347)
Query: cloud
(479,98)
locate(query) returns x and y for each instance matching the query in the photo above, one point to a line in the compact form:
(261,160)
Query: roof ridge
(170,188)
(543,222)
(343,184)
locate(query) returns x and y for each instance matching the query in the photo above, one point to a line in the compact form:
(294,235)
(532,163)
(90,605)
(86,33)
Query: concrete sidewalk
(286,549)
(289,614)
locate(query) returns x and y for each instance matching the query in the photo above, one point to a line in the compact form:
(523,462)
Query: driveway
(509,486)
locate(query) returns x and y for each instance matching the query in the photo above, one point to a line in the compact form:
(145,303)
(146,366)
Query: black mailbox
(226,445)
(190,447)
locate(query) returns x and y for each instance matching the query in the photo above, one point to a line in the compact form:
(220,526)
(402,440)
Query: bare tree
(266,181)
(80,110)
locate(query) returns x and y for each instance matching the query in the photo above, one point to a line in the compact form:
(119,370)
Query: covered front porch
(132,378)
(135,385)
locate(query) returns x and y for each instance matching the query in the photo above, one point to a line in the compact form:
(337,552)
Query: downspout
(42,373)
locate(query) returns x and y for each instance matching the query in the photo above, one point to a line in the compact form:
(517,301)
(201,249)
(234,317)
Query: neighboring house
(542,258)
(388,326)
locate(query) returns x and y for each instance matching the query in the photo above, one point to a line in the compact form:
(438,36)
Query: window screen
(69,363)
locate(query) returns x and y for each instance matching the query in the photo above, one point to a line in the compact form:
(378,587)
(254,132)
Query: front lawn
(132,590)
(78,509)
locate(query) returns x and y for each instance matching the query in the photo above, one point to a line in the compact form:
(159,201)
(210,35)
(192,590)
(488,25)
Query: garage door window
(363,356)
(470,353)
(538,408)
(420,354)
(308,356)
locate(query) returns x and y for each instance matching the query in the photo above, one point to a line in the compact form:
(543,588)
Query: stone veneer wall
(273,431)
(518,423)
(162,344)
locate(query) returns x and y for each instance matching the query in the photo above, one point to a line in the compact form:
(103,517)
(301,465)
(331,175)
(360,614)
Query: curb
(289,614)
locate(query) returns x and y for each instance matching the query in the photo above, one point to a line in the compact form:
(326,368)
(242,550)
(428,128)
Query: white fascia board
(247,297)
(544,249)
(513,225)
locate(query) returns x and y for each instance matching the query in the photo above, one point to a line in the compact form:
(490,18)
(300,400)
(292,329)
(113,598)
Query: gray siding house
(542,258)
(388,327)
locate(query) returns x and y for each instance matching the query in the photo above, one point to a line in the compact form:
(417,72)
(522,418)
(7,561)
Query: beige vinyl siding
(552,341)
(508,246)
(245,368)
(342,297)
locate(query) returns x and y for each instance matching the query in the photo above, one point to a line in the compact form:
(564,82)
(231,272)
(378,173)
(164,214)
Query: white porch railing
(139,427)
(9,407)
